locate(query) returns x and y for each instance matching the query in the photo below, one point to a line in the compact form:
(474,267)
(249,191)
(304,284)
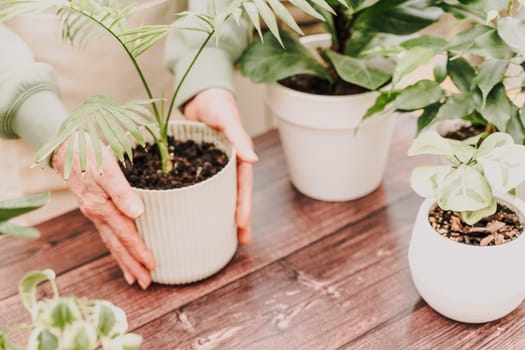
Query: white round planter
(331,155)
(467,283)
(191,230)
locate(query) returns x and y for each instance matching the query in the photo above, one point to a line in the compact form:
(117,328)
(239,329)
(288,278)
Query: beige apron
(99,67)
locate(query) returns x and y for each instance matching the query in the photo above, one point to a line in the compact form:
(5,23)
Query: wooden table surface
(317,276)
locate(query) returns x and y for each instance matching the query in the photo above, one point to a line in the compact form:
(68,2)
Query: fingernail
(150,261)
(143,285)
(252,156)
(136,209)
(128,278)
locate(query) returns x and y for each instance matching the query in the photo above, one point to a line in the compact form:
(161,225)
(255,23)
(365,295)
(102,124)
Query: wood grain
(317,276)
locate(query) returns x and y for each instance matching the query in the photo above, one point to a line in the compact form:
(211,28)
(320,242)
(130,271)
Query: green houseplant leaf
(16,207)
(269,62)
(417,96)
(371,73)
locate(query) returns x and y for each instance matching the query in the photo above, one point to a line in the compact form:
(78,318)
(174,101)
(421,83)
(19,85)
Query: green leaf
(419,95)
(371,73)
(463,41)
(304,6)
(80,335)
(15,207)
(28,285)
(9,229)
(428,116)
(398,17)
(269,62)
(464,189)
(503,161)
(412,59)
(490,45)
(461,73)
(253,15)
(430,142)
(64,312)
(436,44)
(515,127)
(440,69)
(68,163)
(456,107)
(281,11)
(472,217)
(512,31)
(497,110)
(110,320)
(491,72)
(424,180)
(43,339)
(383,100)
(269,19)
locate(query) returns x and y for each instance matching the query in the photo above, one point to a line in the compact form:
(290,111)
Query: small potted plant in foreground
(186,174)
(324,84)
(467,243)
(68,322)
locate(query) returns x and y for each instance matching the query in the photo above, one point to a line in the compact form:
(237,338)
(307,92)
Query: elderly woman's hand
(218,109)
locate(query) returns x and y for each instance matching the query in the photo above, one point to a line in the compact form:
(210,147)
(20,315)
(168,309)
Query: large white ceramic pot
(467,283)
(330,154)
(191,230)
(520,191)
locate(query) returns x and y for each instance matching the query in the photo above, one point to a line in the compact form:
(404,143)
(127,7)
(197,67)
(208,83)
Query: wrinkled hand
(109,201)
(217,108)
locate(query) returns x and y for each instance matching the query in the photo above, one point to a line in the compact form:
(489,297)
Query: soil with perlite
(502,227)
(192,163)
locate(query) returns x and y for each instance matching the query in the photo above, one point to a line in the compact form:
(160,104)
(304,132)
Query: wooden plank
(284,222)
(66,242)
(318,298)
(423,328)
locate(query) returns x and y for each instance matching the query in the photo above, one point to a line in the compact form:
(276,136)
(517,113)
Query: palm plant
(102,116)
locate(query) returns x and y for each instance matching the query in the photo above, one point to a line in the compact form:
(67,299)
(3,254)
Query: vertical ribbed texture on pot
(191,231)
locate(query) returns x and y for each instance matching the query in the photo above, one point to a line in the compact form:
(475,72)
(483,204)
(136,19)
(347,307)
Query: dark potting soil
(502,227)
(465,132)
(192,163)
(313,85)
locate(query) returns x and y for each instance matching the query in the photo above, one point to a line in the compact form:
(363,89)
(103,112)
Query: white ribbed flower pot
(330,155)
(191,231)
(467,283)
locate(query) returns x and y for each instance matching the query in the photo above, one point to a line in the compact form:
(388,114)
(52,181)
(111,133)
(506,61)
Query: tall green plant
(102,115)
(485,62)
(356,28)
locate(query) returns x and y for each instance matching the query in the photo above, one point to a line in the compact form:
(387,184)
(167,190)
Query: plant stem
(132,58)
(164,131)
(167,164)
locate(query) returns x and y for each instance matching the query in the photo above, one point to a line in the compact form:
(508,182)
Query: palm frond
(101,117)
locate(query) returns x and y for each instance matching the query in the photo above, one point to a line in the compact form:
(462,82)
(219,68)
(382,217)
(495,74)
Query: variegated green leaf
(471,217)
(464,189)
(28,285)
(425,179)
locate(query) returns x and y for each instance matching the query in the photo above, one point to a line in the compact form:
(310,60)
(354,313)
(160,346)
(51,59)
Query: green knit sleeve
(214,68)
(30,105)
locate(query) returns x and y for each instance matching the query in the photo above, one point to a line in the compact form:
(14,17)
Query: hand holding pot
(217,108)
(110,203)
